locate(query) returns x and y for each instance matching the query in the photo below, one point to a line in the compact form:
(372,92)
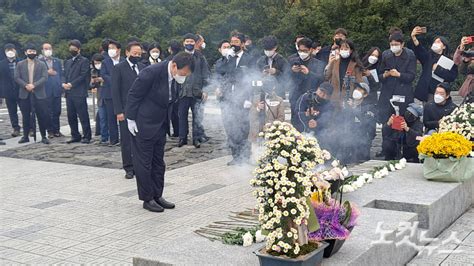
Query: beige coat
(332,75)
(274,110)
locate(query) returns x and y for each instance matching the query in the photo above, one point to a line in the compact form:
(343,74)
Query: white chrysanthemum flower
(248,239)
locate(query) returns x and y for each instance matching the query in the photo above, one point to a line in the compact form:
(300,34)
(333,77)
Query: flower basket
(313,258)
(449,169)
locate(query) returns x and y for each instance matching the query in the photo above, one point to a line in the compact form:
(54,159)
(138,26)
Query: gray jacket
(39,78)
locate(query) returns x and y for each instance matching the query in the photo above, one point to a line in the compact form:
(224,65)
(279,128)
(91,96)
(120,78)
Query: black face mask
(134,59)
(338,41)
(409,117)
(73,53)
(236,48)
(31,56)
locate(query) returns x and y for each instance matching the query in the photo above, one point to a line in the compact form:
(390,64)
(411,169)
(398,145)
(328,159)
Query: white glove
(132,127)
(247,104)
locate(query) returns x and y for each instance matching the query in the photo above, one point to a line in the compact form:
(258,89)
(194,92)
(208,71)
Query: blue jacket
(53,85)
(106,73)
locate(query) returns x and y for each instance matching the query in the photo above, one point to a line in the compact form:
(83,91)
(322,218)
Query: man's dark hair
(97,57)
(239,36)
(222,42)
(299,36)
(341,31)
(153,46)
(183,59)
(175,47)
(30,46)
(397,36)
(133,39)
(269,42)
(445,86)
(394,30)
(190,36)
(75,43)
(306,42)
(105,44)
(133,43)
(315,44)
(114,42)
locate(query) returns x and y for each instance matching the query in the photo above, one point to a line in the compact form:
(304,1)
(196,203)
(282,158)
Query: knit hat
(327,87)
(415,109)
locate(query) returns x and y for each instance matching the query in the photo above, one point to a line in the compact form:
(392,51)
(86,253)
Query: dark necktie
(134,68)
(173,91)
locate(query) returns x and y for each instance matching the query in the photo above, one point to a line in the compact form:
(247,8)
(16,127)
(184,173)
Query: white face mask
(303,55)
(112,52)
(269,53)
(357,95)
(10,54)
(395,49)
(155,55)
(373,59)
(344,53)
(97,66)
(48,53)
(436,47)
(203,45)
(180,79)
(438,98)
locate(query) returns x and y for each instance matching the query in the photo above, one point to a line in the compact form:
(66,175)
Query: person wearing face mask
(53,88)
(360,129)
(396,72)
(123,76)
(370,62)
(9,89)
(174,48)
(273,64)
(402,144)
(31,75)
(200,43)
(340,35)
(192,96)
(442,106)
(76,80)
(236,99)
(464,58)
(429,61)
(154,50)
(105,93)
(314,114)
(306,74)
(343,72)
(101,125)
(219,72)
(147,114)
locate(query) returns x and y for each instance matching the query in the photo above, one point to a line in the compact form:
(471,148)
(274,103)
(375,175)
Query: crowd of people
(333,92)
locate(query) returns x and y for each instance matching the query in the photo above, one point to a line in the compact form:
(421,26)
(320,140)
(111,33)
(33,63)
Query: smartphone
(423,30)
(470,39)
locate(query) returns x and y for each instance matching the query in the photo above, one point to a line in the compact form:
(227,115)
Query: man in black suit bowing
(123,76)
(147,118)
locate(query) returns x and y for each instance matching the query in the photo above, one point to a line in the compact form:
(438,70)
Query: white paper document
(445,63)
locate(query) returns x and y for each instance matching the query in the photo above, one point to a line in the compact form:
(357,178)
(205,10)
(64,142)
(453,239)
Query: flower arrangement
(460,121)
(445,145)
(283,184)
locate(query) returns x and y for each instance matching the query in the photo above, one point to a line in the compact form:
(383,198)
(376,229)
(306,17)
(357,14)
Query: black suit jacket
(148,99)
(8,87)
(237,88)
(122,80)
(77,73)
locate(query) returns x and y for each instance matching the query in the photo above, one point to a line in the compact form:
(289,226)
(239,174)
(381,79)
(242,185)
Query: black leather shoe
(182,142)
(85,141)
(24,140)
(196,143)
(73,141)
(152,206)
(16,133)
(165,204)
(45,140)
(129,175)
(204,139)
(114,143)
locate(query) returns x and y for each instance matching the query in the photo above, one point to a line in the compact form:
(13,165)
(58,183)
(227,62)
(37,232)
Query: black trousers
(54,112)
(185,104)
(12,106)
(77,107)
(237,126)
(149,165)
(111,121)
(41,109)
(174,117)
(126,147)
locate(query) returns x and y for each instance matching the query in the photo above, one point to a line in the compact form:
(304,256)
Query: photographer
(96,83)
(464,59)
(273,64)
(306,73)
(315,113)
(425,88)
(402,143)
